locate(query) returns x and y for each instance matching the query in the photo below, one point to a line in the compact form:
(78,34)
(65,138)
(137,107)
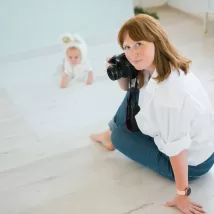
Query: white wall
(34,24)
(211,5)
(185,5)
(27,25)
(148,3)
(190,5)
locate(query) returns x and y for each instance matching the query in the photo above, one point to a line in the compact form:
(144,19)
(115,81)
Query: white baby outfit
(80,71)
(77,72)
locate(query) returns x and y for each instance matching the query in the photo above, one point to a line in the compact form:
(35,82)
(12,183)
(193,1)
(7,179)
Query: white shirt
(178,114)
(77,72)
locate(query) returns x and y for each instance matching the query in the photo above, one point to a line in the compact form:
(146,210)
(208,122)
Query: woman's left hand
(184,204)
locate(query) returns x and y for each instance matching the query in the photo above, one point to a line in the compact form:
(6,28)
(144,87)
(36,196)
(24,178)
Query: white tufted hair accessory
(76,41)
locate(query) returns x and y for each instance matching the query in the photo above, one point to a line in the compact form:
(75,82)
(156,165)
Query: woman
(175,124)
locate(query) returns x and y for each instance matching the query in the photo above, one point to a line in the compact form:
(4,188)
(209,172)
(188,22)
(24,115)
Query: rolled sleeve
(173,148)
(174,128)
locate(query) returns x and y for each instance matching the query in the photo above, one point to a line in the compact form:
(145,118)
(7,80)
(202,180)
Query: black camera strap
(132,107)
(136,83)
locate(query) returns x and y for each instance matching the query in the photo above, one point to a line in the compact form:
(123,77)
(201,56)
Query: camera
(121,67)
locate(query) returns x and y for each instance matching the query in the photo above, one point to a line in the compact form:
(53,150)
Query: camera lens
(113,73)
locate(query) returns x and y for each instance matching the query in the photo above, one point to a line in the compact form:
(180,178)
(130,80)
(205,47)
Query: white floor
(48,165)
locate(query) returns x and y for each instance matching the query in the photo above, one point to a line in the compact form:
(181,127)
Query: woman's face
(140,54)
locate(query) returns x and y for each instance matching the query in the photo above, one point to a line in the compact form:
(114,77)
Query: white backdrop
(28,25)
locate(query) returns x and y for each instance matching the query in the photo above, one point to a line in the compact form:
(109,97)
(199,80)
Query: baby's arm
(90,78)
(64,80)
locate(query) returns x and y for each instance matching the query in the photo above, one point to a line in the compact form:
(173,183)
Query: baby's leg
(64,80)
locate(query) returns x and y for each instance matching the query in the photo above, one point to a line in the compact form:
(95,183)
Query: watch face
(188,191)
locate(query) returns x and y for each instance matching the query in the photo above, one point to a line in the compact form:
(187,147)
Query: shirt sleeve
(174,129)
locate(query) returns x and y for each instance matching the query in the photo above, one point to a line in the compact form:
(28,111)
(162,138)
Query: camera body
(121,67)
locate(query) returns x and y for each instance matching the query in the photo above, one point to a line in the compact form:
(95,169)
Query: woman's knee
(117,137)
(123,141)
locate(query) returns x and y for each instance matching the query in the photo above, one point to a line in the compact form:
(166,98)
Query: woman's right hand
(107,63)
(123,82)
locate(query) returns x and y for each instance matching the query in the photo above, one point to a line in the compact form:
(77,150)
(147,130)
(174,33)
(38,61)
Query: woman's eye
(126,48)
(76,57)
(138,44)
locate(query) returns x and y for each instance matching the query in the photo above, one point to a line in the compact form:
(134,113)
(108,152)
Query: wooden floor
(48,165)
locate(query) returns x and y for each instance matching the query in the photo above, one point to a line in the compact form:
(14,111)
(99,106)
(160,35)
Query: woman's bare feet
(104,138)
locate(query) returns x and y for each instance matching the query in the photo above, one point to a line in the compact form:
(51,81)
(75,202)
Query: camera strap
(132,107)
(135,85)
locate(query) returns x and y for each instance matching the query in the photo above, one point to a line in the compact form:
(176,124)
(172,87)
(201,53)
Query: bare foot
(104,138)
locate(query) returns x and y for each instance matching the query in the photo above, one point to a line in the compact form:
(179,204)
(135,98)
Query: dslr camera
(121,67)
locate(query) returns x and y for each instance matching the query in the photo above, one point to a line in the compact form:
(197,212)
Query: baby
(76,66)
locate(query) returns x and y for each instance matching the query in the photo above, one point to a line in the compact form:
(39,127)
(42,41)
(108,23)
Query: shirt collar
(152,84)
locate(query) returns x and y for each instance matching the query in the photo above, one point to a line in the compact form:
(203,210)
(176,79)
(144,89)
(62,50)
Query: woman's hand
(107,63)
(123,82)
(184,204)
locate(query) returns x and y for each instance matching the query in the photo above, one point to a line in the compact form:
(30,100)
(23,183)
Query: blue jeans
(142,148)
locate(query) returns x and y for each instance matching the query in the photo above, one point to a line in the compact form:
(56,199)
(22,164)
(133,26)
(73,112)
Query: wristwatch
(186,192)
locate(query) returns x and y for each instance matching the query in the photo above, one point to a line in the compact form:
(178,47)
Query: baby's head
(74,55)
(75,48)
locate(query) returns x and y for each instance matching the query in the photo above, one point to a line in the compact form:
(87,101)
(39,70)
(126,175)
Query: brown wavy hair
(144,27)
